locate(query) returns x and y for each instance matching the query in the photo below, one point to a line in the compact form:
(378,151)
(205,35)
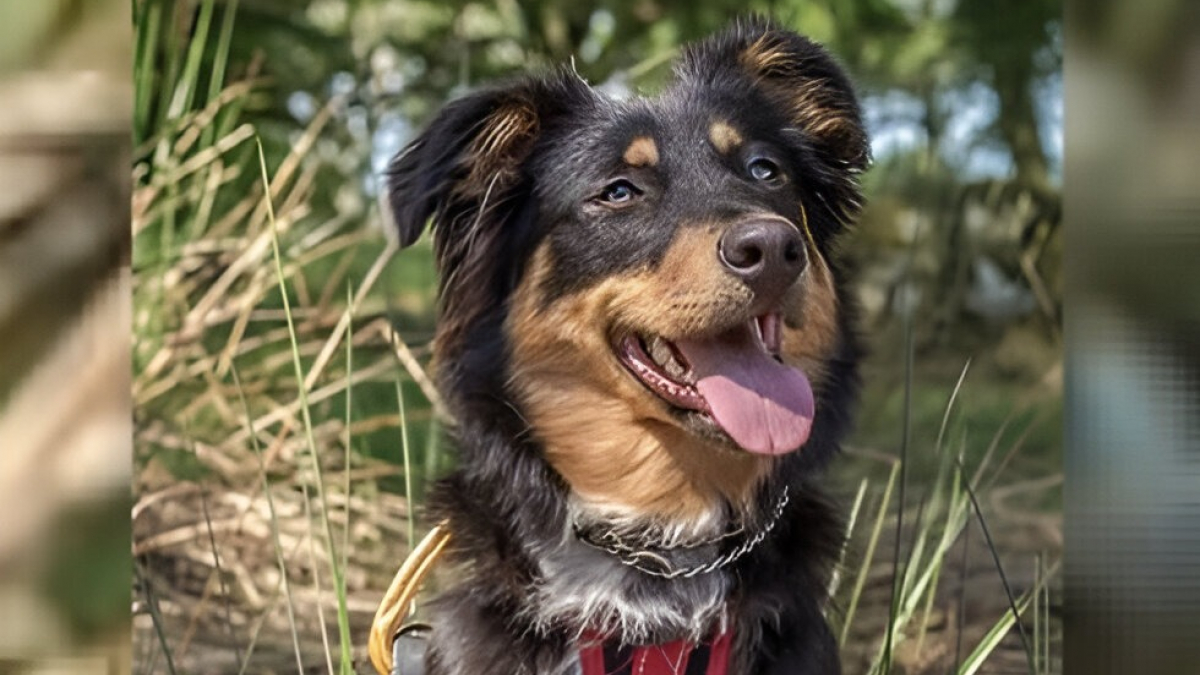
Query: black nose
(767,254)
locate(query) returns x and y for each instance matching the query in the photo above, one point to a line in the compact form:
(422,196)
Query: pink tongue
(765,406)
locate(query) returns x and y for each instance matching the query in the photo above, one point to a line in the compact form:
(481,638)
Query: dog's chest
(590,592)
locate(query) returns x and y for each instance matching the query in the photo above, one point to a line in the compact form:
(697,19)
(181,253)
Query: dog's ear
(800,80)
(467,176)
(470,152)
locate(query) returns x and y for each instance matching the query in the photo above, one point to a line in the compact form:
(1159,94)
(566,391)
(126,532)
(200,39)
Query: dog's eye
(619,192)
(763,169)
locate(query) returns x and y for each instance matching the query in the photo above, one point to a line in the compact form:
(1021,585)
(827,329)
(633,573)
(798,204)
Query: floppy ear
(475,145)
(804,83)
(465,174)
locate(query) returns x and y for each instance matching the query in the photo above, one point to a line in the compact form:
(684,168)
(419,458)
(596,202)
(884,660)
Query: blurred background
(65,432)
(1132,576)
(284,426)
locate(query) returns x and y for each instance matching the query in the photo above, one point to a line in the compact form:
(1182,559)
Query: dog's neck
(582,590)
(665,553)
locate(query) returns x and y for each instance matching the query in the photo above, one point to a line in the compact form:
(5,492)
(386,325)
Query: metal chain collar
(654,563)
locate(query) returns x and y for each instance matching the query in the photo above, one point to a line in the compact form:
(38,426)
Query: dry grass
(256,318)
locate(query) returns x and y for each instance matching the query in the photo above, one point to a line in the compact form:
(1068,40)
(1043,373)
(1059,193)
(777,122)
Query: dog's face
(657,273)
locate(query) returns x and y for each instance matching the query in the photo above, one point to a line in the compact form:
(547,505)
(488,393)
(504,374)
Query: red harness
(673,658)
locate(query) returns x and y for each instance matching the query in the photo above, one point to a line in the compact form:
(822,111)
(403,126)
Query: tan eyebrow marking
(724,137)
(641,152)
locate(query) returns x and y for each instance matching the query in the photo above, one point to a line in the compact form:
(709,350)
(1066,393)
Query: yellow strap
(397,602)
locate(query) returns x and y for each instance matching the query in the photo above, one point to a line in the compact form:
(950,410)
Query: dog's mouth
(735,380)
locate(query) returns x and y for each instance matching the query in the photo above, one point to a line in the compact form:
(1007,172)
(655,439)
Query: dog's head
(649,283)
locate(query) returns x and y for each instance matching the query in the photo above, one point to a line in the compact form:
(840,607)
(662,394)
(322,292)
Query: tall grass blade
(188,82)
(990,453)
(274,518)
(921,579)
(961,621)
(937,446)
(1037,615)
(148,22)
(212,541)
(258,625)
(306,500)
(216,80)
(349,385)
(156,617)
(836,579)
(935,503)
(899,573)
(927,609)
(306,416)
(861,579)
(995,635)
(1045,576)
(916,548)
(1012,602)
(169,73)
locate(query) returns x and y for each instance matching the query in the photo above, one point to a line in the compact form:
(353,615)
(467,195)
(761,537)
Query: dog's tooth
(685,368)
(659,351)
(771,328)
(673,367)
(757,322)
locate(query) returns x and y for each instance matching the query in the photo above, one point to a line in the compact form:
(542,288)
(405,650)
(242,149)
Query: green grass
(236,297)
(949,479)
(275,539)
(302,387)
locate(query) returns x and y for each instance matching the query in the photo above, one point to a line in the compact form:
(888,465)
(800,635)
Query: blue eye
(763,169)
(619,192)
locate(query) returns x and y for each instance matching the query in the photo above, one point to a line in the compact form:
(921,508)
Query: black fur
(505,504)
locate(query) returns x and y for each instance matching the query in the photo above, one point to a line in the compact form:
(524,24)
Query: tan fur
(767,59)
(500,146)
(615,443)
(642,151)
(766,54)
(811,110)
(724,137)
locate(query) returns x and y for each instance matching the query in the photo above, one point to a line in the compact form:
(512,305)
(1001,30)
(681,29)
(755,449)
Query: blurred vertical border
(1132,183)
(65,424)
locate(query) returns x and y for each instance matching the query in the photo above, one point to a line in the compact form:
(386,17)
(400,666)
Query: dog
(646,341)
